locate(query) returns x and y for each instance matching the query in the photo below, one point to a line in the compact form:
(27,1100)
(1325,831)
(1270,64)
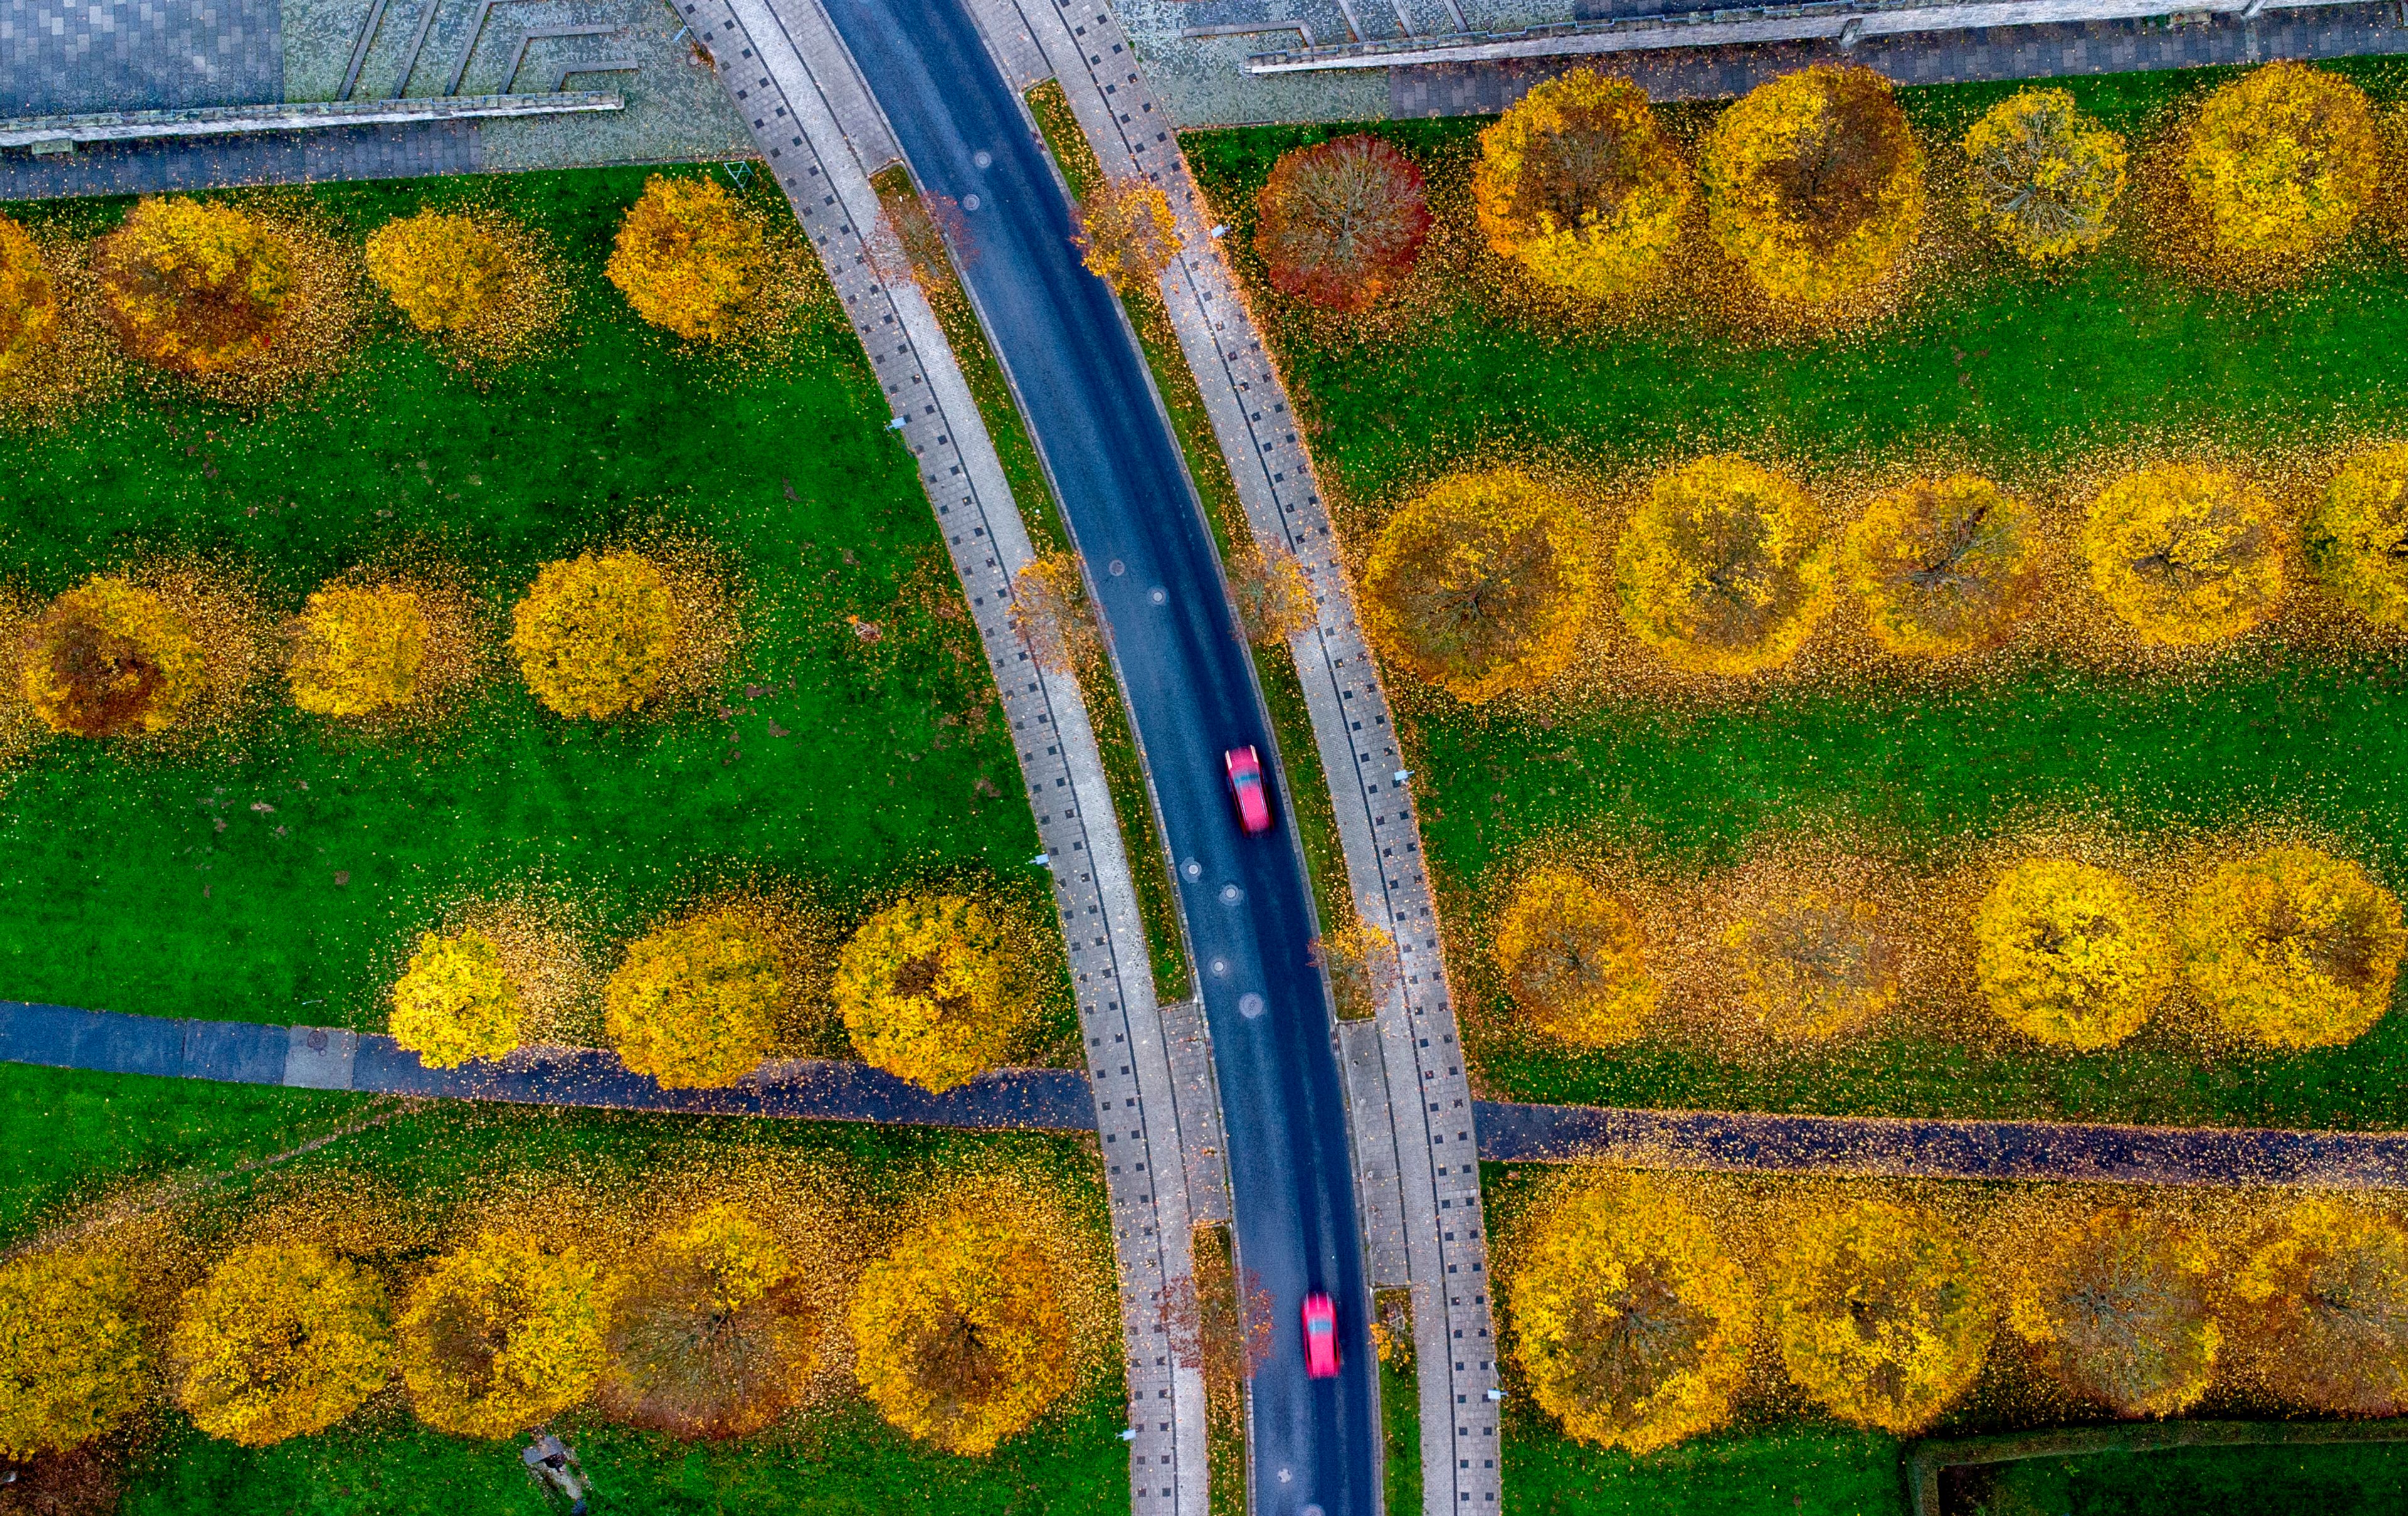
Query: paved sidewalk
(1941,1149)
(1941,58)
(1409,1102)
(329,1058)
(823,136)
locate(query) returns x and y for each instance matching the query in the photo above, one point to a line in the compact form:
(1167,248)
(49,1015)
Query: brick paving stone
(1936,58)
(61,56)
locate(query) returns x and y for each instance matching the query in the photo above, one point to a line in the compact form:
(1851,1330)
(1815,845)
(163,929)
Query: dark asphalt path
(1060,335)
(327,1058)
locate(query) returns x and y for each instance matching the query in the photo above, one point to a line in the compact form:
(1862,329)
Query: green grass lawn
(2013,372)
(849,767)
(2188,1481)
(1748,1471)
(72,1136)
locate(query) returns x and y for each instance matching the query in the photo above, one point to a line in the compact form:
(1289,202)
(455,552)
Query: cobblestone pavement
(1938,58)
(451,147)
(61,56)
(1409,1100)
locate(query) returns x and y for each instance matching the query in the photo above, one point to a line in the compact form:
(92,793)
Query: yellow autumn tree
(2119,1309)
(1362,965)
(1574,958)
(1881,1313)
(503,1333)
(1815,185)
(111,657)
(1631,1323)
(455,1002)
(2292,947)
(711,1335)
(596,635)
(72,1361)
(1723,569)
(1274,598)
(1579,185)
(474,281)
(689,258)
(695,1003)
(931,989)
(29,302)
(1481,584)
(2321,1303)
(195,286)
(2277,168)
(2070,954)
(282,1340)
(1943,566)
(357,649)
(1051,611)
(2357,536)
(1814,964)
(2044,177)
(1128,235)
(960,1334)
(2183,555)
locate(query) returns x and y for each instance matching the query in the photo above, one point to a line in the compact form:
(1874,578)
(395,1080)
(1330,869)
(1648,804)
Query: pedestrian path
(329,1058)
(2003,52)
(1895,1148)
(1060,1100)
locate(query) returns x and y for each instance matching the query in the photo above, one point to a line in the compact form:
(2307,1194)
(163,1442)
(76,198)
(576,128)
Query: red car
(1320,1337)
(1246,788)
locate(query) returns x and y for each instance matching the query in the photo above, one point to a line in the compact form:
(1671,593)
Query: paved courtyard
(59,56)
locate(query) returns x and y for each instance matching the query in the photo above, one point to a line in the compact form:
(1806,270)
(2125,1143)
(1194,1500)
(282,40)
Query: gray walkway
(1941,1149)
(327,1058)
(1947,58)
(1061,1100)
(221,163)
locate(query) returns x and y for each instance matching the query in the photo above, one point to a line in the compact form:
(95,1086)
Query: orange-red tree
(1340,222)
(2119,1308)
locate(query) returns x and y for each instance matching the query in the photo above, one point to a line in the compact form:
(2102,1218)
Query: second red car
(1246,788)
(1320,1337)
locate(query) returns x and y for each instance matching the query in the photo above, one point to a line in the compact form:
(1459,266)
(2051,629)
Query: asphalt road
(1150,558)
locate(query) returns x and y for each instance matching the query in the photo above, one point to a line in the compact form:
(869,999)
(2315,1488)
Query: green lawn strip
(840,1460)
(1132,801)
(1745,1471)
(1316,822)
(73,1136)
(280,871)
(1400,1417)
(845,1463)
(2182,1481)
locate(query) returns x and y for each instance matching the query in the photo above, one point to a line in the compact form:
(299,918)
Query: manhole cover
(1251,1006)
